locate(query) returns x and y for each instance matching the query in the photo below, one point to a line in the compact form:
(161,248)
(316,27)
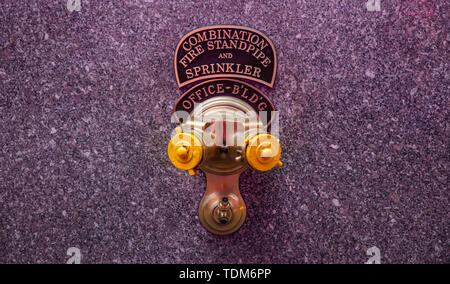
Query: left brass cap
(185,151)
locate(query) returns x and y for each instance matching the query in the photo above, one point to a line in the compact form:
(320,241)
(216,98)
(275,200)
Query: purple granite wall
(85,105)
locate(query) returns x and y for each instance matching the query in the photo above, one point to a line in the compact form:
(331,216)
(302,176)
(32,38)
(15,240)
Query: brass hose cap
(185,151)
(263,152)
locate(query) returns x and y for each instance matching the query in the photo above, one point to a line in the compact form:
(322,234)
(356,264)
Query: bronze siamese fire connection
(223,123)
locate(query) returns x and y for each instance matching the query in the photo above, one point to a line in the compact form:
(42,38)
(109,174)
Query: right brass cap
(263,152)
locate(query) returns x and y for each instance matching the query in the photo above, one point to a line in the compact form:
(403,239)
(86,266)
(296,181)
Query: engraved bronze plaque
(225,51)
(225,87)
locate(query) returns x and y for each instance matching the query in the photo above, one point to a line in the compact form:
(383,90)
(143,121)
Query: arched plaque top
(225,51)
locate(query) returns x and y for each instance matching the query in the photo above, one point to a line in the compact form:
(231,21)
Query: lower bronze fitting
(222,210)
(223,136)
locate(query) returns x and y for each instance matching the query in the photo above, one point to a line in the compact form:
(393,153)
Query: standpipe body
(223,137)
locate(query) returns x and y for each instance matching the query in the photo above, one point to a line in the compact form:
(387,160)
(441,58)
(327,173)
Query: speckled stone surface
(85,106)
